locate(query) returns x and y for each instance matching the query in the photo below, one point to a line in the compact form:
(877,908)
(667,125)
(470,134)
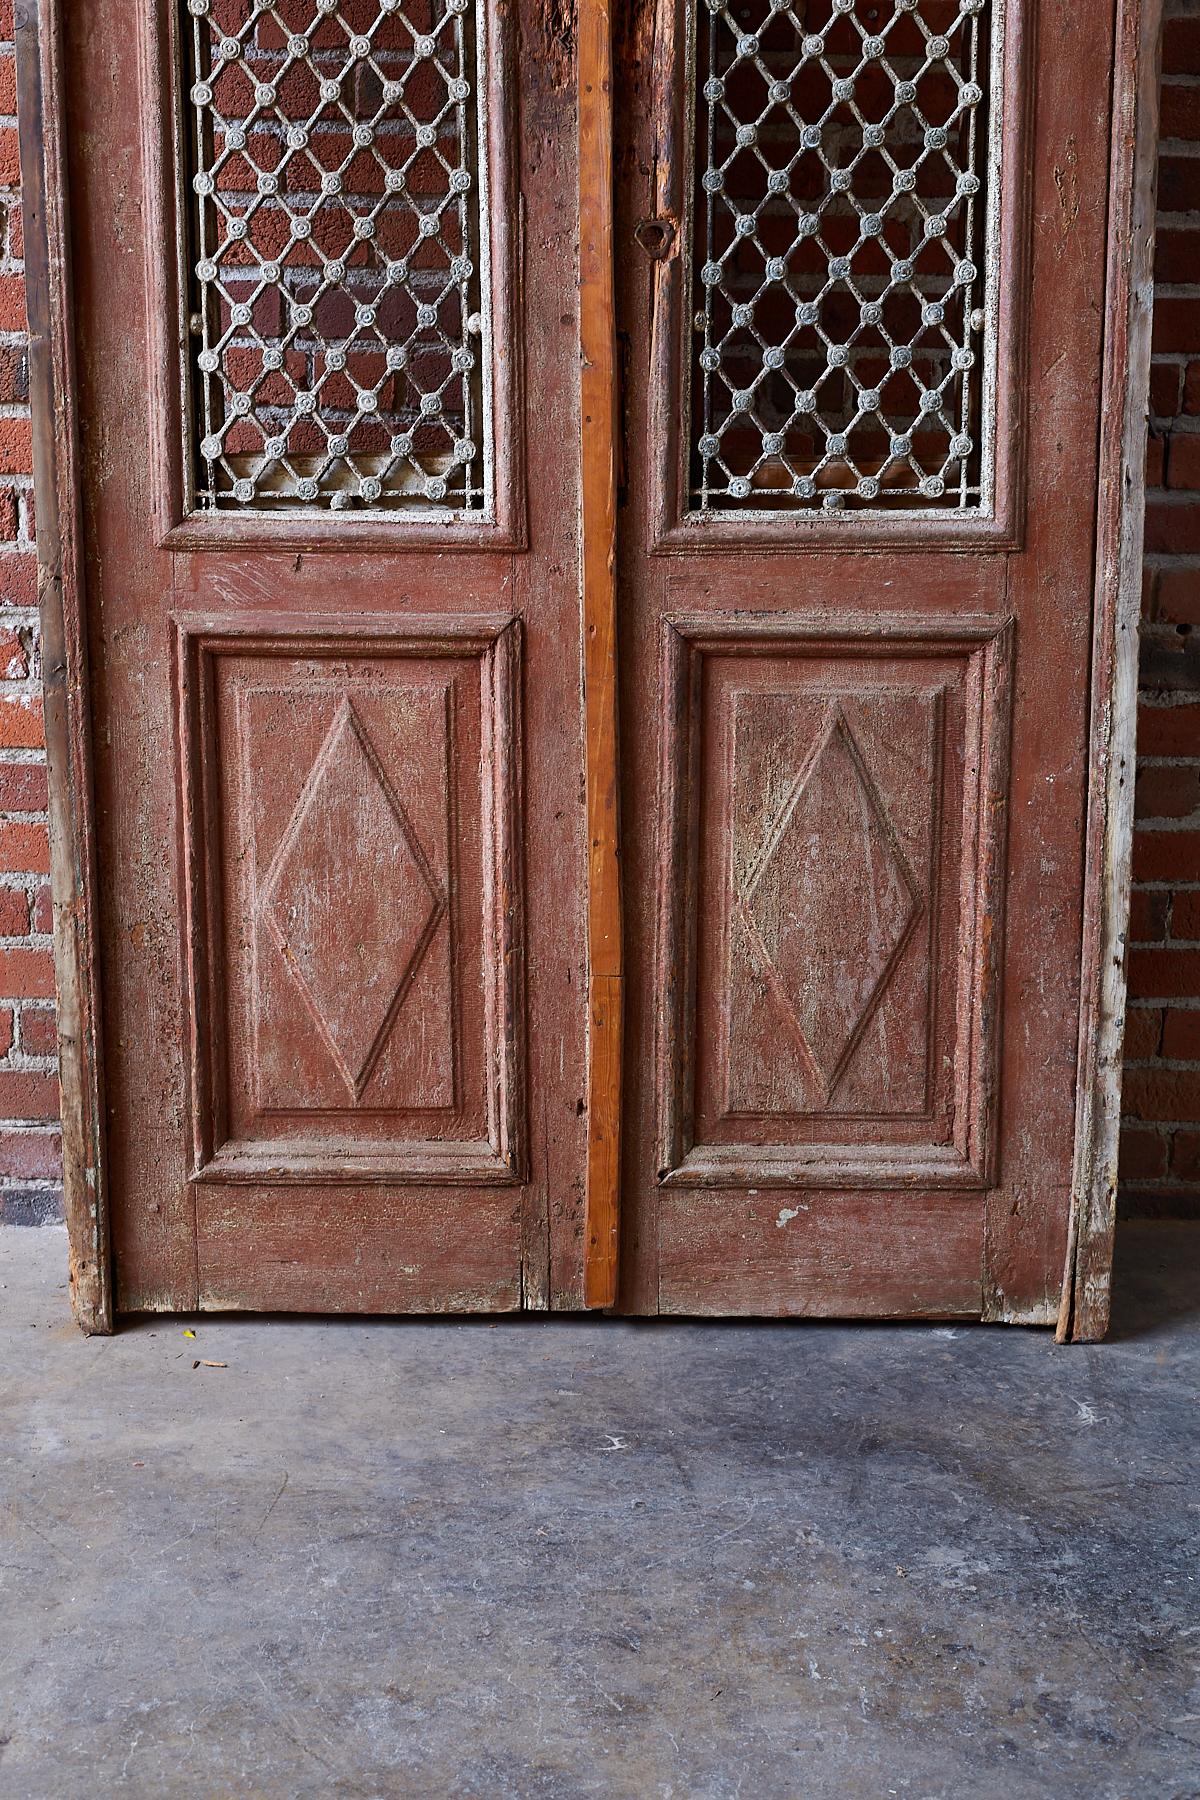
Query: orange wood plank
(598,463)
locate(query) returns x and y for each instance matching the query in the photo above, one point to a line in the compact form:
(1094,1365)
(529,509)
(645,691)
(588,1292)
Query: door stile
(598,472)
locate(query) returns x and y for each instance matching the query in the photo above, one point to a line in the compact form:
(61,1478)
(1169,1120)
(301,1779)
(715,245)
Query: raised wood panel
(350,991)
(834,812)
(369,1250)
(350,806)
(833,818)
(822,1255)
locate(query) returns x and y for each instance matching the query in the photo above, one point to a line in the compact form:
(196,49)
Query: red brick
(1173,524)
(1156,458)
(6,1030)
(1176,253)
(24,847)
(1166,856)
(1179,106)
(16,233)
(1165,389)
(8,513)
(1185,916)
(1183,467)
(27,974)
(1167,792)
(6,20)
(1169,730)
(32,1155)
(1179,183)
(18,572)
(1181,53)
(8,85)
(25,1095)
(1163,974)
(1144,1154)
(14,375)
(21,724)
(1147,1093)
(22,787)
(39,1032)
(14,912)
(1143,1029)
(10,158)
(1176,324)
(1149,591)
(1148,912)
(1185,1156)
(16,440)
(14,658)
(43,910)
(1181,1036)
(1191,388)
(30,509)
(1177,596)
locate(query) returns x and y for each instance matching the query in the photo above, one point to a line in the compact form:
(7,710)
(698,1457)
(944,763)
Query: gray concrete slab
(558,1559)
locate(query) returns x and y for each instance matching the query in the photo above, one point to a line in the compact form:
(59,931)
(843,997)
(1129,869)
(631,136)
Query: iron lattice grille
(337,255)
(842,317)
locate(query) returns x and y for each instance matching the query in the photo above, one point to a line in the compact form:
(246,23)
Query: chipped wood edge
(1086,1292)
(598,504)
(52,392)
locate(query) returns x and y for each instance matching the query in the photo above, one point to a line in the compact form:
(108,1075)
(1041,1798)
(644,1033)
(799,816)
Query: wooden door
(387,518)
(324,259)
(861,264)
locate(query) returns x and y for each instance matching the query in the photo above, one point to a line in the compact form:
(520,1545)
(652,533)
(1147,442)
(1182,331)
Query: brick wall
(1160,1151)
(1161,1140)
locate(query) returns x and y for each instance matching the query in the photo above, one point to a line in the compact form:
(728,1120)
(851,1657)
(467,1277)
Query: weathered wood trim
(598,509)
(1084,1310)
(40,120)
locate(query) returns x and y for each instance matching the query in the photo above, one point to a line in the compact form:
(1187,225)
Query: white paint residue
(1087,1414)
(615,1443)
(789,1212)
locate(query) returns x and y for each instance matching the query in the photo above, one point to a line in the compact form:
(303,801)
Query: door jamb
(37,32)
(1116,612)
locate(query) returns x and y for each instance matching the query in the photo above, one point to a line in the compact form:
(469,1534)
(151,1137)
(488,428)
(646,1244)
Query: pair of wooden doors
(774,330)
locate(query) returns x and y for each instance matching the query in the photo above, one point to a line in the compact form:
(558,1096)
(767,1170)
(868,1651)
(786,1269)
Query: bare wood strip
(598,466)
(40,112)
(1084,1309)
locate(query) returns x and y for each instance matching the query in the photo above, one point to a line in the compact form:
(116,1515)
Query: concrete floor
(558,1559)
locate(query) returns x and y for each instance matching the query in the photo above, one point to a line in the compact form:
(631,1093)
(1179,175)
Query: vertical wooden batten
(1086,1292)
(598,472)
(37,32)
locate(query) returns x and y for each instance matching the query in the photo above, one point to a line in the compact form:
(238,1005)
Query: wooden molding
(1086,1292)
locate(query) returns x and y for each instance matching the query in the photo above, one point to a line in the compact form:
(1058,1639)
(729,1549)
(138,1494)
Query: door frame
(42,128)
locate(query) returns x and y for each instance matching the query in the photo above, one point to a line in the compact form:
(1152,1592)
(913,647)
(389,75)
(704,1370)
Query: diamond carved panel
(828,901)
(354,979)
(832,853)
(350,899)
